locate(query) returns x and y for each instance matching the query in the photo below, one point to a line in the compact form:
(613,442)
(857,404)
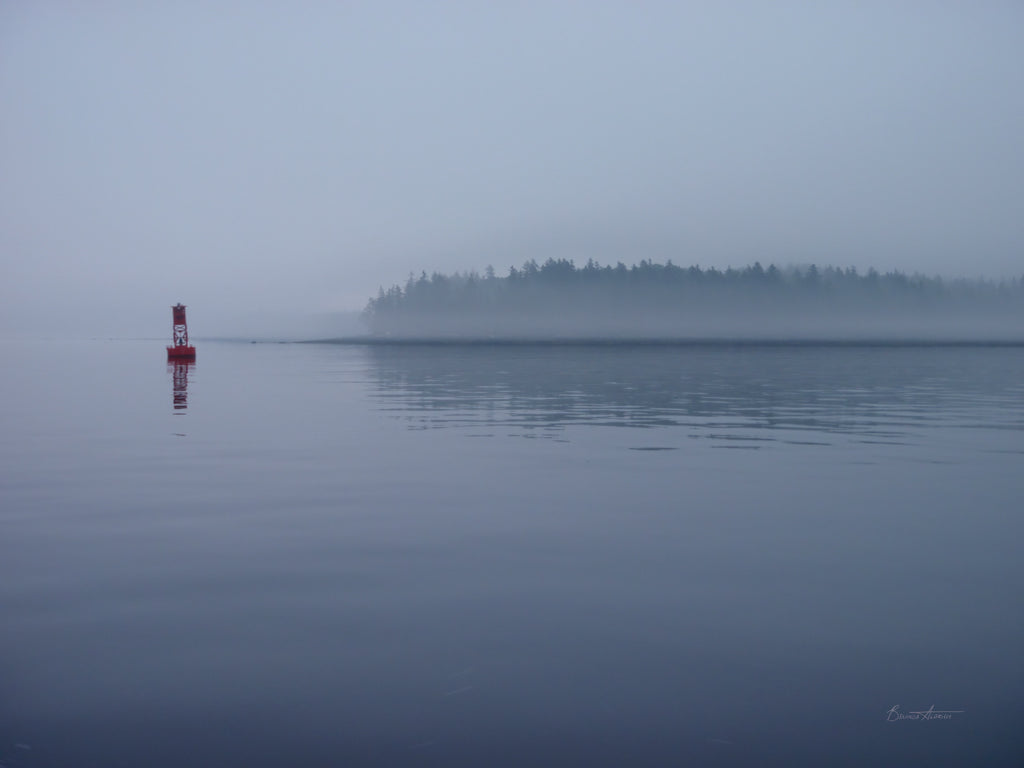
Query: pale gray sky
(286,157)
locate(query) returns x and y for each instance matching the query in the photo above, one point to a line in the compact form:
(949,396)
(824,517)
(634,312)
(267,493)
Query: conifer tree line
(665,297)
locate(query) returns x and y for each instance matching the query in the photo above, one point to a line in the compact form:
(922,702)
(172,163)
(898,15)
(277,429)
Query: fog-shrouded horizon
(273,166)
(650,301)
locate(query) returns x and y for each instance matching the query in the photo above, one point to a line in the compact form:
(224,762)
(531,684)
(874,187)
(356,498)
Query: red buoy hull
(181,353)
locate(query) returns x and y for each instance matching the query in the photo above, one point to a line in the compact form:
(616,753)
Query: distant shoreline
(471,341)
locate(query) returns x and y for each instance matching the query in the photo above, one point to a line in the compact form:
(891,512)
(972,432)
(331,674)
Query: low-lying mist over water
(650,300)
(726,471)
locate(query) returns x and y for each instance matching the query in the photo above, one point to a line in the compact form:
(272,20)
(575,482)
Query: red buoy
(181,349)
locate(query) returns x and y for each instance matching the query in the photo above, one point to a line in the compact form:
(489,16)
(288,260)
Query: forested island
(557,299)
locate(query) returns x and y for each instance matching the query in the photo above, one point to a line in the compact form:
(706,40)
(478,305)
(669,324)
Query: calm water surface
(510,555)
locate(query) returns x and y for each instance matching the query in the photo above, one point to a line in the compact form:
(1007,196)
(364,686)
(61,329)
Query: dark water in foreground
(330,555)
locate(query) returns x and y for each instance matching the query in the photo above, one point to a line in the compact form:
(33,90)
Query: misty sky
(286,157)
